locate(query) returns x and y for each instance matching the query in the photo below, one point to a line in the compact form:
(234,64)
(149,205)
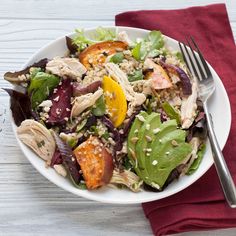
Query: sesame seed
(141,118)
(149,139)
(174,143)
(155,131)
(56,99)
(136,131)
(148,127)
(167,153)
(154,162)
(132,153)
(134,140)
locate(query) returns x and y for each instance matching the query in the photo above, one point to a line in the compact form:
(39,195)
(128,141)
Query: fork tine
(182,51)
(185,59)
(191,62)
(196,61)
(206,67)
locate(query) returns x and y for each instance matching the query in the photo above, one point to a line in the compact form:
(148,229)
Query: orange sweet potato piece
(95,161)
(97,53)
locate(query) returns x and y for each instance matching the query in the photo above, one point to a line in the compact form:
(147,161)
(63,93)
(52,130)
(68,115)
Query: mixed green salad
(112,111)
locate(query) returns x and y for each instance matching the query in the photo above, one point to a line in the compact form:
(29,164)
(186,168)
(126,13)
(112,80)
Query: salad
(112,111)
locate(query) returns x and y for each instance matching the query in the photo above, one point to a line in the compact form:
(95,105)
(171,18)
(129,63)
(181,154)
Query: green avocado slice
(142,143)
(168,156)
(159,148)
(132,136)
(164,128)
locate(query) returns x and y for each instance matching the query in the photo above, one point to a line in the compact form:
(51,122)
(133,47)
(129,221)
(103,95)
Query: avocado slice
(133,137)
(155,154)
(141,146)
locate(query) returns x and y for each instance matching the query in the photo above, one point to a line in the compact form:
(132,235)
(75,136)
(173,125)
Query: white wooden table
(29,203)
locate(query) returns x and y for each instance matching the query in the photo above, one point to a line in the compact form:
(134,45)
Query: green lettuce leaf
(101,34)
(81,40)
(171,112)
(41,85)
(100,107)
(197,161)
(117,58)
(137,75)
(148,46)
(136,51)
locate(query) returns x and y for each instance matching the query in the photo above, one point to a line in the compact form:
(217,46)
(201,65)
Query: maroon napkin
(201,206)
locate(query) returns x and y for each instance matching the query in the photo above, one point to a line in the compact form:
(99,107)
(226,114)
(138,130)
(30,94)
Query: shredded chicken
(66,67)
(189,107)
(38,138)
(134,98)
(127,178)
(84,101)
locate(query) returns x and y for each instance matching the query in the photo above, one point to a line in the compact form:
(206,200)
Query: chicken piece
(127,178)
(38,138)
(134,98)
(84,101)
(64,67)
(123,36)
(189,107)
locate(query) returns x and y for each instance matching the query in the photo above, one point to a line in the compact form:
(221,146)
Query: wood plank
(92,9)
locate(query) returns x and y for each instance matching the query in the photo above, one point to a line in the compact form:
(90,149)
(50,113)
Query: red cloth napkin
(201,206)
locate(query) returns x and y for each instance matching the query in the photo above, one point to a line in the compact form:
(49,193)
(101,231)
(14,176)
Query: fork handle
(225,177)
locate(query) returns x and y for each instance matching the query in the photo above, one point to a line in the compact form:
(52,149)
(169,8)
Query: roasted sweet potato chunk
(95,161)
(97,53)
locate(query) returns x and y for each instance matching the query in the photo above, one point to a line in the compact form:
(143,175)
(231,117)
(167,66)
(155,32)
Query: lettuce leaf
(197,161)
(148,46)
(20,105)
(117,58)
(100,107)
(41,85)
(101,34)
(80,40)
(171,112)
(137,75)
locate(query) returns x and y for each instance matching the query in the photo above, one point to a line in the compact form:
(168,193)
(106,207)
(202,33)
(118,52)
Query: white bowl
(219,108)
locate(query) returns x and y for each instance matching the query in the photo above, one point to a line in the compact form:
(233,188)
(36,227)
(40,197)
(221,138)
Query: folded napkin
(201,206)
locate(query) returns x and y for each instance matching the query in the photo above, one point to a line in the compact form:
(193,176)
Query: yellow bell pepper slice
(115,100)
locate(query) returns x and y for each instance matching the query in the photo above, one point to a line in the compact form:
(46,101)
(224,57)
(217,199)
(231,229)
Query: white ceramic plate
(219,108)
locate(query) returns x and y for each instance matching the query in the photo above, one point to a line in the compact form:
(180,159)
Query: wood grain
(29,203)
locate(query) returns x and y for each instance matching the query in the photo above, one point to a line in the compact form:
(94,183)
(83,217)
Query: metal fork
(198,66)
